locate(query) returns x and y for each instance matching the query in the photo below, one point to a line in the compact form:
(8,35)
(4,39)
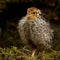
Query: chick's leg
(33,53)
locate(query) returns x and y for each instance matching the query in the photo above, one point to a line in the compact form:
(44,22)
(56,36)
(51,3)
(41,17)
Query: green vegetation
(15,53)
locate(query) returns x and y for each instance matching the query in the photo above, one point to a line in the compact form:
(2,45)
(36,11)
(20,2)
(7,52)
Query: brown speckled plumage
(33,27)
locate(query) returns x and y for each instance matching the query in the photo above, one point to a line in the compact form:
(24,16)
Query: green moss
(14,53)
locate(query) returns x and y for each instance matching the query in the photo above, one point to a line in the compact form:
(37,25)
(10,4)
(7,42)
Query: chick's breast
(41,33)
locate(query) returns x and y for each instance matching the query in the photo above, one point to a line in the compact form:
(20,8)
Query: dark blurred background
(11,11)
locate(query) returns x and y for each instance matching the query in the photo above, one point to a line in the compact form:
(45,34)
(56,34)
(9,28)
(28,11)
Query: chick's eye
(33,12)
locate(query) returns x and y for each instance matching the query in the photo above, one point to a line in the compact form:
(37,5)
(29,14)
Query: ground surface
(15,53)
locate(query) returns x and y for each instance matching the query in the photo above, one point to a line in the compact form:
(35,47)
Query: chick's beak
(41,14)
